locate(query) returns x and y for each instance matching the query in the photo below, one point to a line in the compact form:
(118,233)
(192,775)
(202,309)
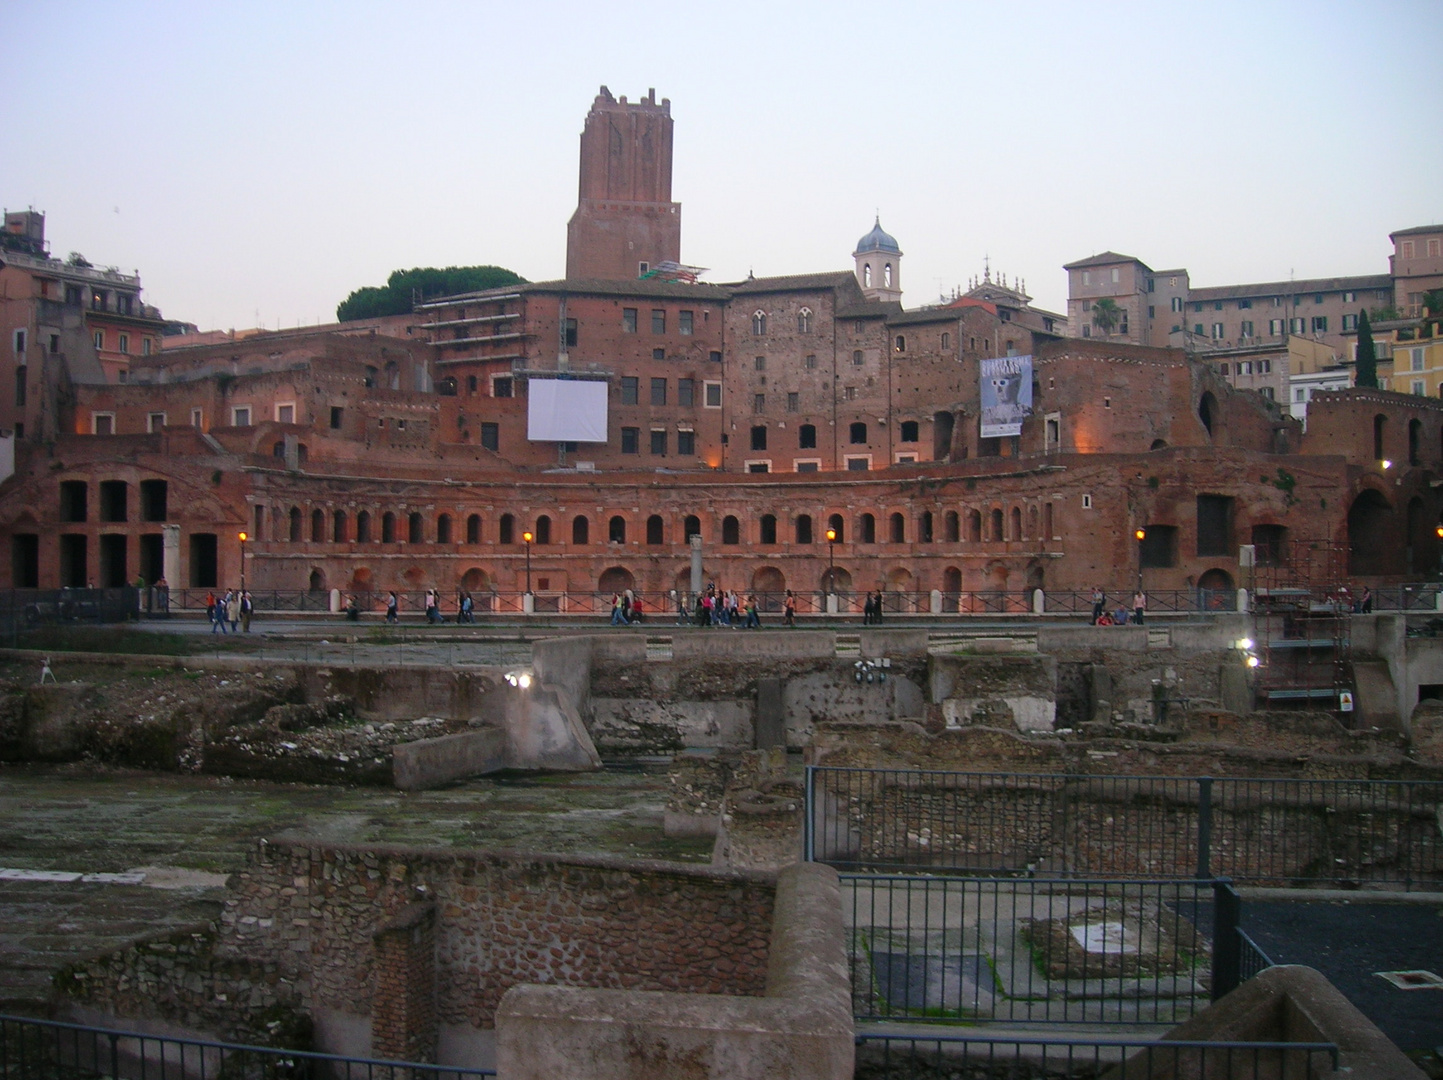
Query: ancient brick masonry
(403,1011)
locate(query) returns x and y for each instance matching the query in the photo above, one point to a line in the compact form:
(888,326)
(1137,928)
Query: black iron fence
(1256,831)
(23,609)
(1039,950)
(979,1056)
(48,1050)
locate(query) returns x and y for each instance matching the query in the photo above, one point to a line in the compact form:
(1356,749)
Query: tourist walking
(789,610)
(1139,606)
(247,608)
(393,607)
(754,618)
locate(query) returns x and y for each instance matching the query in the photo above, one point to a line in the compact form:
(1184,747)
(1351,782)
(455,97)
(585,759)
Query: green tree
(1106,315)
(404,287)
(1367,373)
(1433,303)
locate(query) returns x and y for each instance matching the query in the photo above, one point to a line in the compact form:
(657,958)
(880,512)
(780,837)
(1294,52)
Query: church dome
(877,240)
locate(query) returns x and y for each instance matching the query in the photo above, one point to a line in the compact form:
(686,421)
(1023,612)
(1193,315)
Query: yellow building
(1414,363)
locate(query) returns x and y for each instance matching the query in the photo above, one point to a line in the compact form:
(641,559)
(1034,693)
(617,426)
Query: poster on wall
(565,410)
(1006,395)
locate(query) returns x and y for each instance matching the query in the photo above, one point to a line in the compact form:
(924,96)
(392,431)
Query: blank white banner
(565,410)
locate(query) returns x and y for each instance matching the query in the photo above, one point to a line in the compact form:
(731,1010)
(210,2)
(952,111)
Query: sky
(256,162)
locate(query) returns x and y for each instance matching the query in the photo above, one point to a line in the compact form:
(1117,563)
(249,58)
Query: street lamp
(527,537)
(831,562)
(1141,535)
(243,539)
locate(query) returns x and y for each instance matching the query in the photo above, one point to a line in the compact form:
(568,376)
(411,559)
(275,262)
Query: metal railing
(1038,950)
(48,1050)
(904,1057)
(1257,831)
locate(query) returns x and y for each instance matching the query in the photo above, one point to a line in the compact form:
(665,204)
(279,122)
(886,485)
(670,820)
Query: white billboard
(565,410)
(1006,395)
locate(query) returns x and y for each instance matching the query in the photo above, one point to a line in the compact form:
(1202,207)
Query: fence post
(1204,826)
(809,809)
(1227,942)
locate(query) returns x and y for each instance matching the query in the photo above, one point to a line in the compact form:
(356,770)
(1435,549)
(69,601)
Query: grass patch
(98,639)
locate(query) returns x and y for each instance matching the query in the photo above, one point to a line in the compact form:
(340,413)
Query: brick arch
(615,579)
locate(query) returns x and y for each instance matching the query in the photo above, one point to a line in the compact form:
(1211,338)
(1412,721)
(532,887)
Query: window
(768,528)
(154,421)
(804,321)
(658,320)
(571,332)
(807,437)
(655,530)
(686,443)
(616,530)
(1114,275)
(898,529)
(1087,277)
(900,344)
(1415,359)
(1320,324)
(1087,502)
(1223,369)
(731,530)
(810,363)
(1245,329)
(240,416)
(20,341)
(859,463)
(760,364)
(22,373)
(100,339)
(1196,329)
(196,416)
(490,436)
(759,403)
(658,442)
(1177,303)
(501,386)
(946,342)
(759,437)
(1214,525)
(628,320)
(714,356)
(759,323)
(1296,326)
(145,346)
(794,401)
(1350,322)
(909,431)
(684,323)
(285,414)
(1264,366)
(808,465)
(1217,331)
(684,392)
(759,466)
(849,393)
(1318,299)
(629,389)
(1151,311)
(858,433)
(658,391)
(1243,305)
(658,354)
(804,528)
(630,437)
(857,358)
(711,395)
(124,343)
(1275,328)
(1419,388)
(102,423)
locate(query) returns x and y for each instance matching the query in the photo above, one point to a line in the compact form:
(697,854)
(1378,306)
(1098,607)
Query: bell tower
(625,222)
(879,265)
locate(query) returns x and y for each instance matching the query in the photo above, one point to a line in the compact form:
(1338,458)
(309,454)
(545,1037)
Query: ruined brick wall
(501,920)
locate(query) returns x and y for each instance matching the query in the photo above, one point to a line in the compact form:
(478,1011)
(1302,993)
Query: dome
(877,240)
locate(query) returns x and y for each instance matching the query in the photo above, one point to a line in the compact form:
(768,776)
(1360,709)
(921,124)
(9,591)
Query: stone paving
(186,833)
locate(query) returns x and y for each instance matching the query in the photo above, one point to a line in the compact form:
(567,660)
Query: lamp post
(831,566)
(1141,535)
(527,537)
(243,539)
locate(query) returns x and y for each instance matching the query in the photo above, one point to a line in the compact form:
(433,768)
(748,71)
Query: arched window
(804,528)
(295,525)
(807,437)
(974,526)
(951,527)
(867,529)
(691,526)
(581,529)
(899,529)
(887,276)
(1031,522)
(1380,428)
(900,344)
(506,530)
(1415,435)
(924,527)
(654,530)
(838,526)
(363,527)
(338,527)
(731,530)
(318,526)
(759,323)
(543,529)
(388,528)
(393,376)
(473,528)
(443,529)
(1207,411)
(769,529)
(616,530)
(1016,523)
(997,533)
(866,275)
(804,321)
(415,529)
(858,433)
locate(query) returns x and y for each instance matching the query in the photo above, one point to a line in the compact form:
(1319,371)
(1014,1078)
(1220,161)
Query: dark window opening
(616,530)
(581,529)
(804,529)
(153,497)
(769,529)
(506,530)
(731,530)
(759,438)
(899,529)
(867,529)
(909,431)
(655,530)
(807,437)
(1214,525)
(858,434)
(1159,547)
(73,498)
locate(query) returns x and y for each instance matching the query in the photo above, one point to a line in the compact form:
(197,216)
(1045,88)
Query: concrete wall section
(429,763)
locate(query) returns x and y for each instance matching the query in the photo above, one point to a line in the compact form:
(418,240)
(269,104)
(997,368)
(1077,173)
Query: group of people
(872,610)
(626,608)
(1101,616)
(229,612)
(727,608)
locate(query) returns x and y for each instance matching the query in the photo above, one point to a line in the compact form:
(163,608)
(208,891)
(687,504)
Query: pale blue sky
(264,159)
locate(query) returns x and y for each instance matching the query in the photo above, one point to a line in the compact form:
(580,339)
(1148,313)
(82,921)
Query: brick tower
(625,222)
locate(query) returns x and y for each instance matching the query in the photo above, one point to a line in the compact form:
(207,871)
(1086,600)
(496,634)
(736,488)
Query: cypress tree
(1367,374)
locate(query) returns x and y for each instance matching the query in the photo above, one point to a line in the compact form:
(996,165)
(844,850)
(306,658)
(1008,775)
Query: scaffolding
(1302,607)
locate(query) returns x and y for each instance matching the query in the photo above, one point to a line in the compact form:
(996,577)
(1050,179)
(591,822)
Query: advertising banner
(1006,395)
